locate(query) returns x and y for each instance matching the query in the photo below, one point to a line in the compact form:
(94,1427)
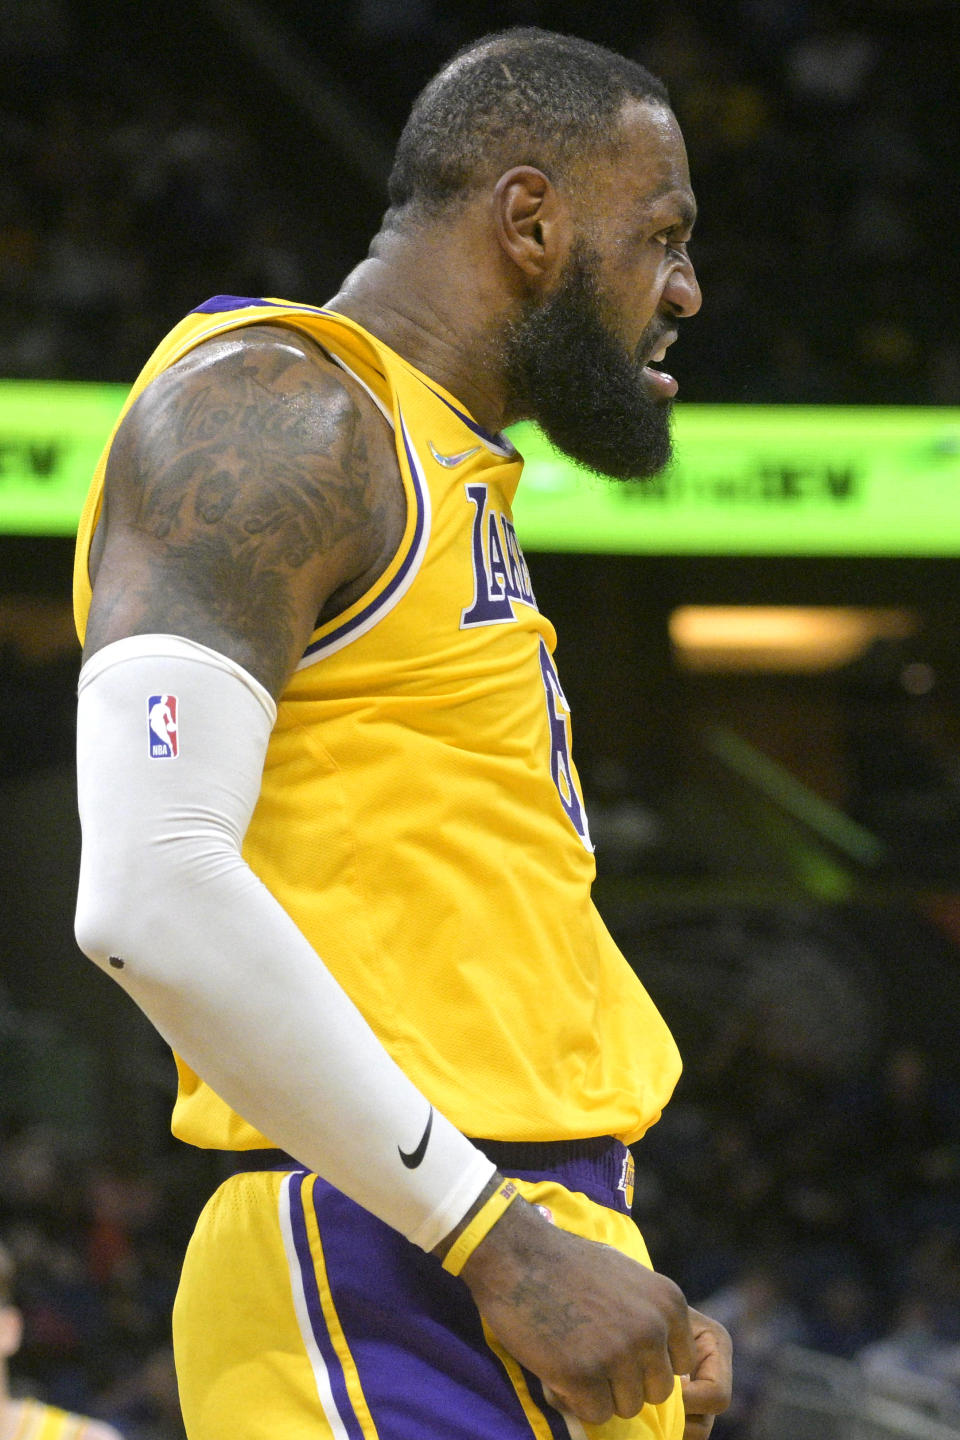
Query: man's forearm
(170,909)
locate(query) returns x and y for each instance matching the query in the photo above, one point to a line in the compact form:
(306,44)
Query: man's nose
(682,290)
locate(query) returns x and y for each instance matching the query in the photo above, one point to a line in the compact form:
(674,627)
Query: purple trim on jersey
(411,558)
(592,1167)
(318,1324)
(218,303)
(500,441)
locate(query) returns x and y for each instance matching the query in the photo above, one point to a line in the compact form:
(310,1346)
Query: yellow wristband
(479,1227)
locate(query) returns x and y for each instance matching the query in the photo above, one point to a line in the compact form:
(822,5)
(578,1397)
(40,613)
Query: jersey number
(561,766)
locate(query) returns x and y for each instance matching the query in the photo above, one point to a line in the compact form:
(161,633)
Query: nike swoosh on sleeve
(414,1157)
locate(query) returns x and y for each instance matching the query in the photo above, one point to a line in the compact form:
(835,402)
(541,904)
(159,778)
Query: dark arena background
(761,659)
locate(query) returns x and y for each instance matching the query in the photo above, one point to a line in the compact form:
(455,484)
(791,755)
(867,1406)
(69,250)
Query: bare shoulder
(249,486)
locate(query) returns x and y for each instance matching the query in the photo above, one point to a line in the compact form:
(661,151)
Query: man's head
(575,154)
(522,96)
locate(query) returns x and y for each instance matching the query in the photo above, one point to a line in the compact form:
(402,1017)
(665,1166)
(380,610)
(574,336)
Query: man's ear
(11,1331)
(533,225)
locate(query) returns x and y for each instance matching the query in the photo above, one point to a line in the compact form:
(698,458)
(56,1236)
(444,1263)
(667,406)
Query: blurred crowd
(125,189)
(816,1211)
(97,1243)
(143,170)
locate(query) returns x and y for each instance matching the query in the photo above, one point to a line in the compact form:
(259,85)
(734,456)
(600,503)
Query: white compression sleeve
(166,792)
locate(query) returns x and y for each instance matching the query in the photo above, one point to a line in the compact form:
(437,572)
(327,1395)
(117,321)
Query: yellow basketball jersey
(420,816)
(35,1421)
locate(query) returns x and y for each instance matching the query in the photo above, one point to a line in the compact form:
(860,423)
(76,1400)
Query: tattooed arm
(251,488)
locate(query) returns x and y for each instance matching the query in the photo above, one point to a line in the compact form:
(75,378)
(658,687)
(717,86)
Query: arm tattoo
(233,476)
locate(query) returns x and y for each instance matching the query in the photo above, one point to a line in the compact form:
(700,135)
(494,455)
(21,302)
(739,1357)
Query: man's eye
(668,239)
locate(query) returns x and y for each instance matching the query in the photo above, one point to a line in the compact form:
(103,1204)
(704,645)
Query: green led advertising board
(745,480)
(51,436)
(762,480)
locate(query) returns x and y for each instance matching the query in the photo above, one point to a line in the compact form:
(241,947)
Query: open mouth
(661,385)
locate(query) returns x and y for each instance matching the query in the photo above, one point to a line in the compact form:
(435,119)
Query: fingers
(627,1385)
(670,1349)
(697,1427)
(708,1393)
(627,1390)
(623,1394)
(705,1397)
(592,1403)
(708,1390)
(658,1376)
(623,1391)
(647,1374)
(681,1345)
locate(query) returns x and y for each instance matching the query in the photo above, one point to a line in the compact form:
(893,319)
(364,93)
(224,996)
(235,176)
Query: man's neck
(442,323)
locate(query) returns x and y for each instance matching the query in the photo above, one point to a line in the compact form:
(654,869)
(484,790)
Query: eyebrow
(686,206)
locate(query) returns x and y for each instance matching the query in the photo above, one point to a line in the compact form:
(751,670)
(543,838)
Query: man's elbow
(115,915)
(98,924)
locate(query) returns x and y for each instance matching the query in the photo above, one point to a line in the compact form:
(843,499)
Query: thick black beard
(571,374)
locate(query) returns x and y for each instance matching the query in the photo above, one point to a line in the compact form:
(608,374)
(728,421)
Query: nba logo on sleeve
(162,736)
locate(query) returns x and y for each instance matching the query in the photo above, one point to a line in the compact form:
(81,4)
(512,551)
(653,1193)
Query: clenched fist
(603,1333)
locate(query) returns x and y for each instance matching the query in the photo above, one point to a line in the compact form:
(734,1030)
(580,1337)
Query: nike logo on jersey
(449,462)
(413,1159)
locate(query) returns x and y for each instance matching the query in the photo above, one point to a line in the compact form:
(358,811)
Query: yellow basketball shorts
(300,1316)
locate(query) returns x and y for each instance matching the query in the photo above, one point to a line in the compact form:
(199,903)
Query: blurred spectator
(97,1247)
(911,1362)
(903,785)
(24,1415)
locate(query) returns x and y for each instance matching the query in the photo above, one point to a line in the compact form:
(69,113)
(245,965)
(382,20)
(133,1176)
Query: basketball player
(354,894)
(30,1419)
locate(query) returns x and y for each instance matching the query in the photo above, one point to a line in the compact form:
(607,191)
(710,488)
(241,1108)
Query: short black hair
(517,97)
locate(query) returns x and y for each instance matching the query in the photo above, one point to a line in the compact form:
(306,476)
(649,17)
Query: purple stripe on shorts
(414,1333)
(315,1311)
(555,1421)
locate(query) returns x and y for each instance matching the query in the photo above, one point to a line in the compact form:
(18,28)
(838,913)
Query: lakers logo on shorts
(627,1178)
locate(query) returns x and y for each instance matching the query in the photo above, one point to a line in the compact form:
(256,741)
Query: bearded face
(569,370)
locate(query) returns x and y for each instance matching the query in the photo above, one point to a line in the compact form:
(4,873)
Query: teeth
(659,354)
